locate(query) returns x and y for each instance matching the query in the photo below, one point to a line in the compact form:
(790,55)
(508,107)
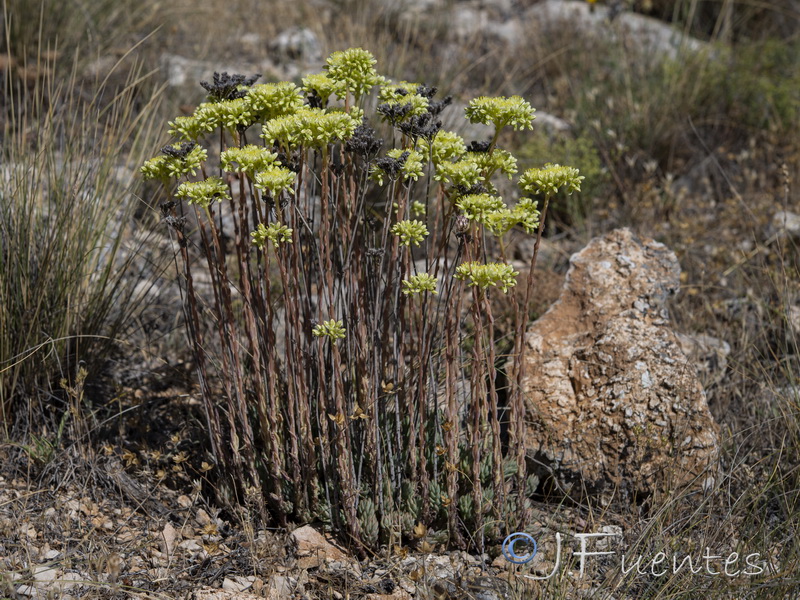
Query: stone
(397,594)
(641,32)
(297,44)
(708,354)
(168,537)
(44,574)
(216,594)
(237,583)
(279,587)
(614,407)
(312,549)
(784,224)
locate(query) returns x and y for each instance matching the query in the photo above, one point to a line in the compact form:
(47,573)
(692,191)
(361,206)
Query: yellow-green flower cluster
(418,208)
(549,179)
(525,213)
(411,167)
(165,166)
(233,114)
(324,87)
(333,329)
(446,146)
(275,179)
(478,207)
(248,159)
(499,160)
(355,68)
(493,274)
(203,193)
(274,232)
(417,284)
(465,172)
(501,111)
(419,106)
(187,128)
(271,100)
(410,232)
(312,127)
(394,92)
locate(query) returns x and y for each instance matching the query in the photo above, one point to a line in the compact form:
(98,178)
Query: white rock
(297,44)
(586,412)
(236,583)
(646,33)
(44,574)
(784,224)
(312,549)
(279,587)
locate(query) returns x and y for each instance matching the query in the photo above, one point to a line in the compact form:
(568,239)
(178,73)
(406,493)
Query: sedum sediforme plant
(345,346)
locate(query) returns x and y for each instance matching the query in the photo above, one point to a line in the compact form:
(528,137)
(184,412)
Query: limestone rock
(297,44)
(613,404)
(708,354)
(644,33)
(312,549)
(784,224)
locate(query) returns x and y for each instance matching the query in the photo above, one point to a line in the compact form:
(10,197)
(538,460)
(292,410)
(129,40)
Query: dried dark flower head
(394,113)
(364,141)
(422,126)
(461,224)
(166,207)
(478,188)
(179,152)
(426,92)
(227,87)
(314,100)
(392,166)
(290,161)
(436,107)
(476,146)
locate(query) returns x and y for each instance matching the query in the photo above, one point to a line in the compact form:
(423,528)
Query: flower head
(332,329)
(274,232)
(549,179)
(417,284)
(186,128)
(398,111)
(446,146)
(465,173)
(410,232)
(204,192)
(498,161)
(228,87)
(248,159)
(175,161)
(311,127)
(275,179)
(501,111)
(525,213)
(355,68)
(397,163)
(493,274)
(324,86)
(478,207)
(271,100)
